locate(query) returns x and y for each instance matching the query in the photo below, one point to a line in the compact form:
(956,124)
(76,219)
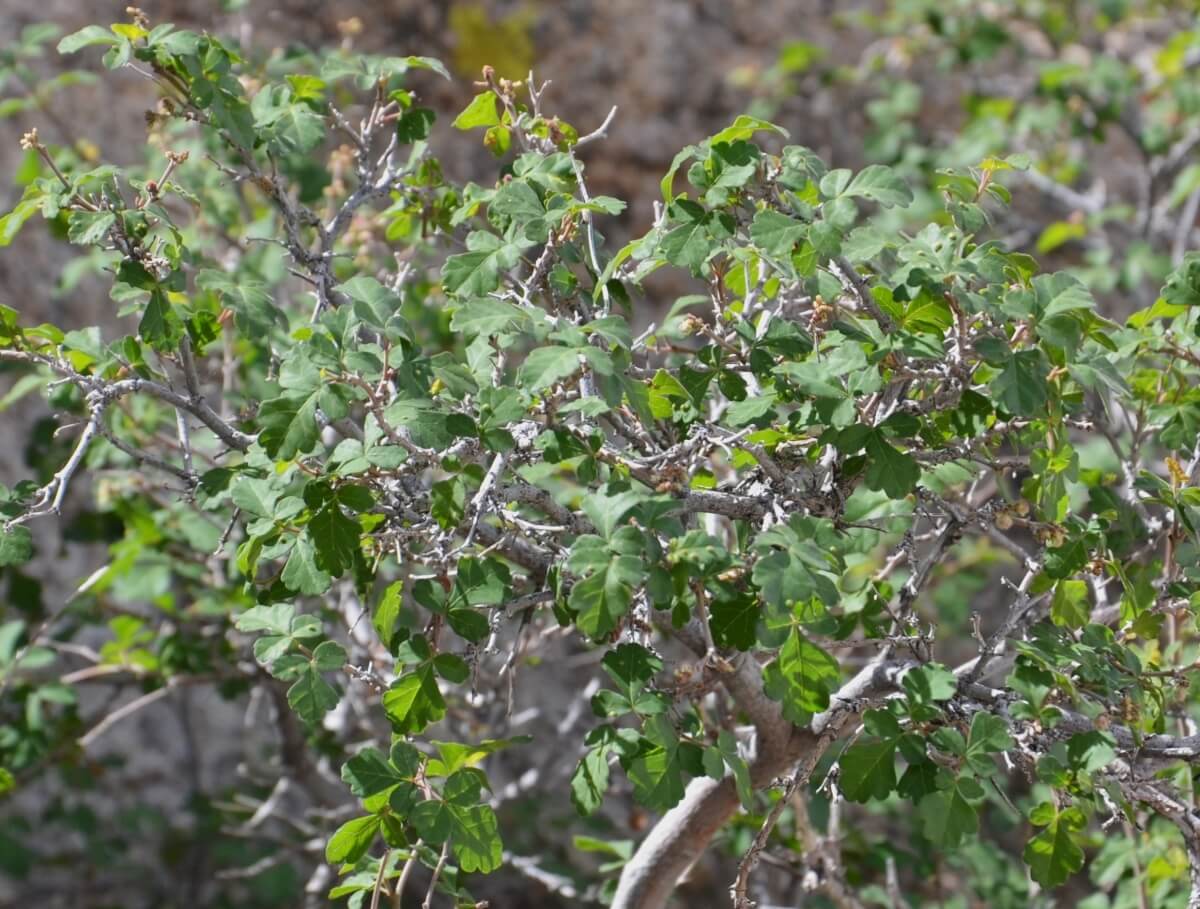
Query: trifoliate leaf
(867,769)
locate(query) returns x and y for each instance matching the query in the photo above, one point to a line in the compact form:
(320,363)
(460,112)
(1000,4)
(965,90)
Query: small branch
(1184,227)
(50,497)
(377,891)
(600,132)
(437,872)
(741,884)
(406,872)
(121,713)
(862,292)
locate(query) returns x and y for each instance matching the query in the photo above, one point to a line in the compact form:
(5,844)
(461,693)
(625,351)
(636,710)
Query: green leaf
(415,125)
(488,317)
(351,841)
(668,193)
(89,227)
(425,423)
(799,571)
(373,303)
(432,821)
(589,782)
(301,572)
(482,111)
(1070,606)
(880,184)
(477,273)
(602,599)
(1063,561)
(949,816)
(631,666)
(690,243)
(16,545)
(254,496)
(989,734)
(733,620)
(929,683)
(547,365)
(728,747)
(335,539)
(247,297)
(369,772)
(919,780)
(1056,234)
(1022,387)
(1053,855)
(455,755)
(329,656)
(519,201)
(414,701)
(448,502)
(889,470)
(289,424)
(311,696)
(86,37)
(11,223)
(656,773)
(801,678)
(387,613)
(273,619)
(471,829)
(775,233)
(607,512)
(1091,751)
(294,125)
(475,838)
(868,769)
(160,327)
(743,127)
(401,64)
(1183,284)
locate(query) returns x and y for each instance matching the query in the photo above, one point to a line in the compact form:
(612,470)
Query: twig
(1184,227)
(738,892)
(437,872)
(858,286)
(600,132)
(405,873)
(378,889)
(121,712)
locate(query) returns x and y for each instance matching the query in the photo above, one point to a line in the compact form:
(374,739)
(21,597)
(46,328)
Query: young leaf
(802,677)
(1053,855)
(949,816)
(351,841)
(414,701)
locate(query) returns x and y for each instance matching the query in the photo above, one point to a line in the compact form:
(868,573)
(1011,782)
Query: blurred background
(1100,96)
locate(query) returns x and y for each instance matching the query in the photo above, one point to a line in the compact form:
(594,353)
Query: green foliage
(427,429)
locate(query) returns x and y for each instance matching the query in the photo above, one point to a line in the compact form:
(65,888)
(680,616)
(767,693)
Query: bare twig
(437,872)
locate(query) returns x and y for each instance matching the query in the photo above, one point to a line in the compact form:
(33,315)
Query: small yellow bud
(1179,476)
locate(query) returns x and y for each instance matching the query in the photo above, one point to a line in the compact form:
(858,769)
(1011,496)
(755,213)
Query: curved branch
(106,392)
(684,832)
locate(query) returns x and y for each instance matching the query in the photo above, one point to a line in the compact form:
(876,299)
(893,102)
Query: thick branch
(684,832)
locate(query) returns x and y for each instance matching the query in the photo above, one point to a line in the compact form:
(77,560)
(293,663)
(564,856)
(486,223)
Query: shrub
(378,438)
